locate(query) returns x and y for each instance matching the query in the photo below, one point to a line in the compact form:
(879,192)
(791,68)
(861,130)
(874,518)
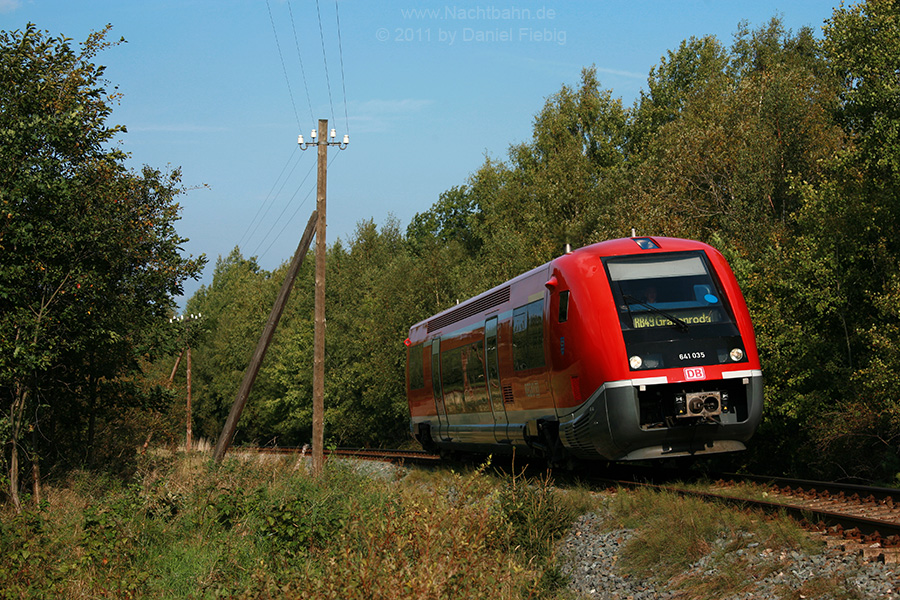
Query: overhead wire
(341,55)
(297,210)
(283,68)
(269,201)
(325,60)
(300,58)
(266,203)
(283,210)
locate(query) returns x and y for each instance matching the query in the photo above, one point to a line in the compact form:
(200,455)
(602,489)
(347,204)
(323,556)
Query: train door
(436,387)
(492,371)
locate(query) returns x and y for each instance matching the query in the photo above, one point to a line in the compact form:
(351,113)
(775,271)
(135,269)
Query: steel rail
(833,488)
(364,453)
(845,522)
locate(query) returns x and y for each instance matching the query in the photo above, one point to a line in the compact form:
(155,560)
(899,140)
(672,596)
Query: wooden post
(253,369)
(189,434)
(318,425)
(175,368)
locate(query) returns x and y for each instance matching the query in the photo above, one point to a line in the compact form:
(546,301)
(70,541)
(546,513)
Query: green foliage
(693,71)
(257,526)
(833,280)
(560,188)
(451,219)
(90,257)
(861,43)
(234,308)
(293,524)
(26,557)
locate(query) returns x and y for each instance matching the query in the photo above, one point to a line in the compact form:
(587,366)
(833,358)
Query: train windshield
(666,291)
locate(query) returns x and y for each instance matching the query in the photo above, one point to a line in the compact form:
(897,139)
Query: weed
(539,513)
(709,542)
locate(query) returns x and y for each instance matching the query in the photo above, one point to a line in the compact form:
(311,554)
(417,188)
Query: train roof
(637,245)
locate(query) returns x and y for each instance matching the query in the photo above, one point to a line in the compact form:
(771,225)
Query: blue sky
(425,90)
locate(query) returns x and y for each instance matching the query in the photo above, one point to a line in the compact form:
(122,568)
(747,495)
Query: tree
(851,220)
(89,257)
(449,220)
(722,134)
(862,45)
(695,70)
(561,188)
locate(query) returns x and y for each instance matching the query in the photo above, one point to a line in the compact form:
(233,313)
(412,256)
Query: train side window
(476,394)
(416,367)
(564,306)
(528,336)
(452,381)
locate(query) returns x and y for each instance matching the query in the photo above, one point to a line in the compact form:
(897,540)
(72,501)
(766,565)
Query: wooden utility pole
(318,425)
(186,350)
(320,140)
(263,345)
(189,434)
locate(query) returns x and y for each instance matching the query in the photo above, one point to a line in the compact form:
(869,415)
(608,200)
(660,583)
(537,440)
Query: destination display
(691,317)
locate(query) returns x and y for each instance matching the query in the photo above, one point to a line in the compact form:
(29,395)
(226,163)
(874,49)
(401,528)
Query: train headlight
(737,355)
(635,362)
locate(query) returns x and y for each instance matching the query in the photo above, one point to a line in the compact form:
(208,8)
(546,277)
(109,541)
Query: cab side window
(416,367)
(563,306)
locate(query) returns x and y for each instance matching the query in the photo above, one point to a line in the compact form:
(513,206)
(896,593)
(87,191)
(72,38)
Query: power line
(341,54)
(325,60)
(247,232)
(260,222)
(287,222)
(283,68)
(300,58)
(283,210)
(268,203)
(297,210)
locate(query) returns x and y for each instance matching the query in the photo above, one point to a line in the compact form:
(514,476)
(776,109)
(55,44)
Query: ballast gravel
(589,557)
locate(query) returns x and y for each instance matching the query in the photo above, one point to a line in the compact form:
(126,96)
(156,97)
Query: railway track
(389,455)
(860,519)
(871,511)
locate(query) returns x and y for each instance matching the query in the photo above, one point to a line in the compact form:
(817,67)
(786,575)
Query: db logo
(694,373)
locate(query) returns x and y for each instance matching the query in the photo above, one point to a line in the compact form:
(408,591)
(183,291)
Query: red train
(629,349)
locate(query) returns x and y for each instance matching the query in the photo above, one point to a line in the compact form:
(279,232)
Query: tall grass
(261,527)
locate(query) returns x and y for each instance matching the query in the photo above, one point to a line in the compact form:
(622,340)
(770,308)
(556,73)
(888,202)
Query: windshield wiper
(678,323)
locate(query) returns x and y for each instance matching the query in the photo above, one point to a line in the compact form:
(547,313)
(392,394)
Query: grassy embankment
(261,527)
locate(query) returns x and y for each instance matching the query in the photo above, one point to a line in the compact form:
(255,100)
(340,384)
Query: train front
(668,353)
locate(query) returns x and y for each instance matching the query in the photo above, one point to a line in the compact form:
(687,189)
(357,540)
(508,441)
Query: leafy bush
(261,527)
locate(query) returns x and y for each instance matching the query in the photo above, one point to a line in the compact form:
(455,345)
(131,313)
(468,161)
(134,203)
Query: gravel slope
(589,557)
